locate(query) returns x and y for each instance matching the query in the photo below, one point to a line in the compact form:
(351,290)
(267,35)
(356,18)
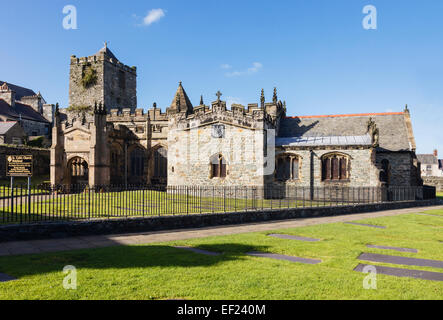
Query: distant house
(430,165)
(26,107)
(11,133)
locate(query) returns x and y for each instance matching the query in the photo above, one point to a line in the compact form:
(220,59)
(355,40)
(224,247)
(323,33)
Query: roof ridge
(348,115)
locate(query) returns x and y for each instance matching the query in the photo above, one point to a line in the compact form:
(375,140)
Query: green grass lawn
(20,185)
(159,271)
(136,203)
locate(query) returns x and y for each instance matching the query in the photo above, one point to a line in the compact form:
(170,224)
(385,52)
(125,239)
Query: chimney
(7,94)
(436,153)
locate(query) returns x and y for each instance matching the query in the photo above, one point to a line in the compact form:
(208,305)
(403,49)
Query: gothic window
(161,163)
(336,167)
(218,167)
(288,167)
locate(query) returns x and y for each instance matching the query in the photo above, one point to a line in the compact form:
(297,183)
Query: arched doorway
(385,172)
(160,176)
(79,171)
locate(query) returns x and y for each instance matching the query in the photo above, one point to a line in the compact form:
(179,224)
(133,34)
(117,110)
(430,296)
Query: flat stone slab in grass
(283,257)
(401,260)
(365,225)
(392,248)
(397,272)
(429,214)
(195,250)
(5,278)
(288,237)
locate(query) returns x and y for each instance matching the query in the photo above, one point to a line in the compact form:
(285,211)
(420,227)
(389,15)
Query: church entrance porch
(79,171)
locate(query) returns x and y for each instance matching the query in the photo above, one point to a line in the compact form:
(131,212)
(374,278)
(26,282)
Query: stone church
(103,139)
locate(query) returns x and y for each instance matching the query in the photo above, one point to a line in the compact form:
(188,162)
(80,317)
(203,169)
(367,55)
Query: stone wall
(41,159)
(15,133)
(435,182)
(118,226)
(190,153)
(402,169)
(363,171)
(120,86)
(34,128)
(116,84)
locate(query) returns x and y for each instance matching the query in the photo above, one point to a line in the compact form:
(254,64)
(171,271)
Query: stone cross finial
(105,44)
(218,94)
(262,98)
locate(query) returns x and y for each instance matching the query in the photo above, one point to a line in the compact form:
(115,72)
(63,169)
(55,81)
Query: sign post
(20,166)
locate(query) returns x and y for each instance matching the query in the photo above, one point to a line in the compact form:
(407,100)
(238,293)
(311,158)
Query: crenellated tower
(102,77)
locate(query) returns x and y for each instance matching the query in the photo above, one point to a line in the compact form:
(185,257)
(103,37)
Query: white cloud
(226,66)
(256,67)
(153,16)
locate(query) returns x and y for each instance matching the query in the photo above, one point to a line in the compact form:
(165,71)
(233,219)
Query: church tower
(102,78)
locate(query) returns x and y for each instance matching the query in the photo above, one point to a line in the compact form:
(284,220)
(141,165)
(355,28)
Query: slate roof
(305,141)
(427,159)
(20,92)
(107,52)
(392,127)
(20,109)
(440,164)
(6,126)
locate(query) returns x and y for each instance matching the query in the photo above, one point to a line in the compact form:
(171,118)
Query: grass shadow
(123,257)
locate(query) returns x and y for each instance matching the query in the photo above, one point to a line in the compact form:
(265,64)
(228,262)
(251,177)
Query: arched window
(218,167)
(288,167)
(336,167)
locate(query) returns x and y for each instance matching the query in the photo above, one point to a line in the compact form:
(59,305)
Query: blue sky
(315,52)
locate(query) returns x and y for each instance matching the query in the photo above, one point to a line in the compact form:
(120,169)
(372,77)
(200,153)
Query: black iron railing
(80,202)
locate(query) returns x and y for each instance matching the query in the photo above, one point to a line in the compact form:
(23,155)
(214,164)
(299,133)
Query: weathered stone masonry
(114,142)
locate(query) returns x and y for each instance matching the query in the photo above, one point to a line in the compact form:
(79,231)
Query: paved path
(56,245)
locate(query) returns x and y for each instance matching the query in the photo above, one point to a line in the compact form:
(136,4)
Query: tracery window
(288,167)
(336,167)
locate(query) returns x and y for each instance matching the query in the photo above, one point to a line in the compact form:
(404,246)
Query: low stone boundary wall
(132,225)
(434,182)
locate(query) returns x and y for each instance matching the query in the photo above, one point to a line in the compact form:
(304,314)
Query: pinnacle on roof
(181,102)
